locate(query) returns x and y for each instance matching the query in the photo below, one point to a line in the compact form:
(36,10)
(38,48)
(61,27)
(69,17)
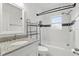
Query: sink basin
(19,43)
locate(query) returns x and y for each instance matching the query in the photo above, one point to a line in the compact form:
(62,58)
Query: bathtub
(58,51)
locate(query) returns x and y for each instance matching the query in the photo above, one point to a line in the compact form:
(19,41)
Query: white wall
(31,12)
(74,16)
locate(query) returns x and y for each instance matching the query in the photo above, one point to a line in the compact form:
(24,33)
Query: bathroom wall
(75,16)
(32,10)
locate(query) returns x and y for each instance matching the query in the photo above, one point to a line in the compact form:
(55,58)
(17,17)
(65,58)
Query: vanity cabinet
(30,50)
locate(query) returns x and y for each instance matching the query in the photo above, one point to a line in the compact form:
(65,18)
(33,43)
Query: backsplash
(11,37)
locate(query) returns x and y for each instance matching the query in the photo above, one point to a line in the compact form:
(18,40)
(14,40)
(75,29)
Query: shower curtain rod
(56,9)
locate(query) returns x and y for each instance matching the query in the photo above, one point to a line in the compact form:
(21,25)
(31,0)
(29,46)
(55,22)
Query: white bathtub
(58,51)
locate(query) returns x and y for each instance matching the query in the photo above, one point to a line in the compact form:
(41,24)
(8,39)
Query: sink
(19,43)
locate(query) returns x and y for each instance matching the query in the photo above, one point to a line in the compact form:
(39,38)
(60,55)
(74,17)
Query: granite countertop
(6,47)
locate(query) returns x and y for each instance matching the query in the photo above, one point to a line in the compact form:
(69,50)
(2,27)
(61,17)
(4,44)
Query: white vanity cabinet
(29,50)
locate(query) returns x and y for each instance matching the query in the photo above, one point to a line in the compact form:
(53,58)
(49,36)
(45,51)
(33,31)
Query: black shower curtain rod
(56,9)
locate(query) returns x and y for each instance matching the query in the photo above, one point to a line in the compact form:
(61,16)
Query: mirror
(12,19)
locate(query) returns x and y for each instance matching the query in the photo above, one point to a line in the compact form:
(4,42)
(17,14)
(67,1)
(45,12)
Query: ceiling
(40,7)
